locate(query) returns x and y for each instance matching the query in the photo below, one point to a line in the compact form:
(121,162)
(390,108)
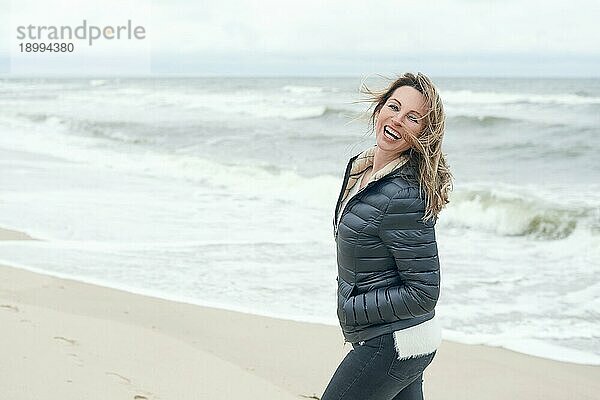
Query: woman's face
(400,117)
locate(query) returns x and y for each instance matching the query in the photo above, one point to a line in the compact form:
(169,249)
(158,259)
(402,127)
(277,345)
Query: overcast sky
(266,37)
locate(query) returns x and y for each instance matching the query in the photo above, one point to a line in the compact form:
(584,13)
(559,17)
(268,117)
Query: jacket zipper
(354,198)
(337,207)
(347,207)
(344,182)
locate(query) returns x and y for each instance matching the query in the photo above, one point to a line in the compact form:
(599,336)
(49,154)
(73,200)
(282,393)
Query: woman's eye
(393,107)
(413,119)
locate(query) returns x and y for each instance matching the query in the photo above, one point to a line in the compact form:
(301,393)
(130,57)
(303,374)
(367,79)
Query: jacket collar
(364,160)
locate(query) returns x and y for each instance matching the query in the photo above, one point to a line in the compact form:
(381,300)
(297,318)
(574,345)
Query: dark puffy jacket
(388,268)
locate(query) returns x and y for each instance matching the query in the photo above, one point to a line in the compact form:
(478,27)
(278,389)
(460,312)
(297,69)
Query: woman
(388,268)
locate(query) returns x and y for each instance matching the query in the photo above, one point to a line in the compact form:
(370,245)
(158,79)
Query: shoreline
(89,341)
(455,337)
(530,347)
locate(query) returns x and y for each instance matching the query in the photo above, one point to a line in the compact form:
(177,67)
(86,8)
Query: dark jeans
(372,371)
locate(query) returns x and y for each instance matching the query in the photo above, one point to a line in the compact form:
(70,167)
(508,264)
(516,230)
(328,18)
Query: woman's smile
(391,133)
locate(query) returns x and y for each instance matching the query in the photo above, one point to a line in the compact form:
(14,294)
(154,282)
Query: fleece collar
(365,160)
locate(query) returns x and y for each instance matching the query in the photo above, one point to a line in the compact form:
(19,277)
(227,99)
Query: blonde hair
(426,148)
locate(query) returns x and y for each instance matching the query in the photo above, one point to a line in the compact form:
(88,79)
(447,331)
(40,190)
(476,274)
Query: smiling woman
(417,115)
(388,267)
(399,120)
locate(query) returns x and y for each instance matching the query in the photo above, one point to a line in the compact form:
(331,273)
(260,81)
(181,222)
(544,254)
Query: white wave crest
(473,97)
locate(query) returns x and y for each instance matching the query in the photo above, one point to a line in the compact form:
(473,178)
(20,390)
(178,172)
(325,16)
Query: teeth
(390,133)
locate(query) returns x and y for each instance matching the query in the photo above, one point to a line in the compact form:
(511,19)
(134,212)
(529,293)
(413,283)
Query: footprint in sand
(78,361)
(148,395)
(127,381)
(70,341)
(123,378)
(10,307)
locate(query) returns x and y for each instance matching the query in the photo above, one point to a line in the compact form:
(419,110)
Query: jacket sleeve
(412,244)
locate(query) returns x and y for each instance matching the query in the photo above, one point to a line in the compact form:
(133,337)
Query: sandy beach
(64,339)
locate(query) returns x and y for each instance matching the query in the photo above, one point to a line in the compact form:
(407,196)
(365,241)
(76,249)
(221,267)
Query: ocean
(221,192)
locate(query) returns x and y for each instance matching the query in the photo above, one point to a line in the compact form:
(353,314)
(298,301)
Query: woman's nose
(397,118)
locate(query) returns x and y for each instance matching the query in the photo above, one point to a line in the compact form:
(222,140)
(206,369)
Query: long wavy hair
(425,149)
